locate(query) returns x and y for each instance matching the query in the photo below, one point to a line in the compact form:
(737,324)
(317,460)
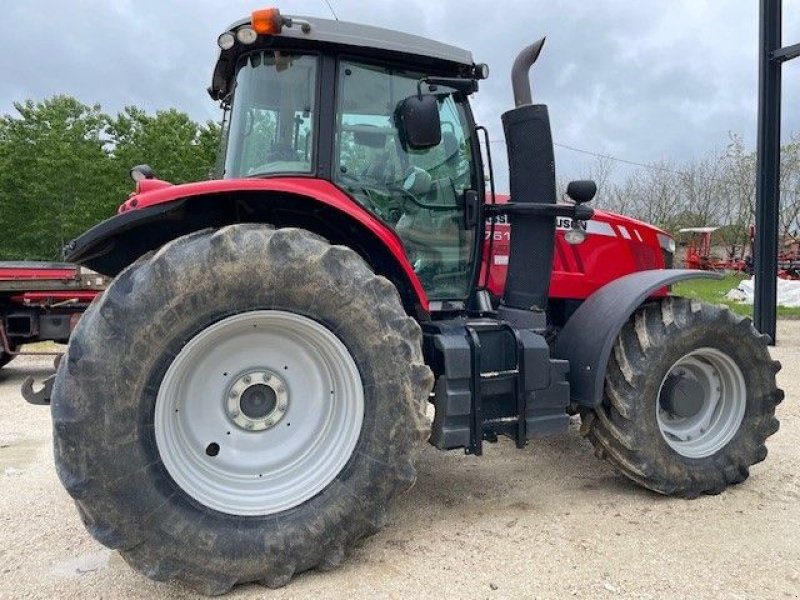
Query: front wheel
(689,399)
(240,406)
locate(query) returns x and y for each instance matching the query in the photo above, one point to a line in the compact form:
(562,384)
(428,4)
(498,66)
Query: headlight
(226,41)
(246,34)
(575,235)
(667,249)
(667,243)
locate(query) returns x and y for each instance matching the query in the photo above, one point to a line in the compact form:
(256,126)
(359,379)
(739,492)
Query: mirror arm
(461,84)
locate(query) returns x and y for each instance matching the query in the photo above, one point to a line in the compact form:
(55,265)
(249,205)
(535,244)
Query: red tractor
(243,402)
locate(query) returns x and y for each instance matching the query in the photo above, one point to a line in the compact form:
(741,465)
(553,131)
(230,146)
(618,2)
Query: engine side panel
(614,247)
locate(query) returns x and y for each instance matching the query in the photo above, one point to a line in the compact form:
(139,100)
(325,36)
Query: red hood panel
(615,245)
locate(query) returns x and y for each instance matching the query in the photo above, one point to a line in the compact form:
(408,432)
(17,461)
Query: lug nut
(247,379)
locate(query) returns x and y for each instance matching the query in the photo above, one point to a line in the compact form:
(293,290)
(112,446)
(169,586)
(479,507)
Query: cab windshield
(273,129)
(271,125)
(420,193)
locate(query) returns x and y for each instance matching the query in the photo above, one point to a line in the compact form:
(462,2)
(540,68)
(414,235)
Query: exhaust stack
(531,165)
(520,73)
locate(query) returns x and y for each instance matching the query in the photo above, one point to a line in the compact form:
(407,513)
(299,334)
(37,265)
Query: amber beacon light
(267,21)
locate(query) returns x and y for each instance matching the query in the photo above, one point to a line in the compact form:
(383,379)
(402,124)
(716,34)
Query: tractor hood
(615,246)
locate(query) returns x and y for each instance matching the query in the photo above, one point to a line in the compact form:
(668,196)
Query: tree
(178,149)
(64,167)
(54,175)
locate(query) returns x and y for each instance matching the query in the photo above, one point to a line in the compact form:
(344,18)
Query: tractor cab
(274,79)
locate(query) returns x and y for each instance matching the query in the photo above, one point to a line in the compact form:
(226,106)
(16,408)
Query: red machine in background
(789,259)
(699,255)
(41,301)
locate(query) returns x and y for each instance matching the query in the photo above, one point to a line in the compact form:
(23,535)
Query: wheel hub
(259,412)
(257,400)
(681,395)
(701,402)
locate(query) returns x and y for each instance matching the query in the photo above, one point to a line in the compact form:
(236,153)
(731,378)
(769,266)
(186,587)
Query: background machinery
(41,301)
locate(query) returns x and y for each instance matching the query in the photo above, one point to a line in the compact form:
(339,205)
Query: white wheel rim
(271,463)
(722,404)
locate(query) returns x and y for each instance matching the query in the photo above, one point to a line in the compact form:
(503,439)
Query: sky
(642,81)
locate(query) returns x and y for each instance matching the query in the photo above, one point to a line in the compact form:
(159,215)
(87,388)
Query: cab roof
(345,35)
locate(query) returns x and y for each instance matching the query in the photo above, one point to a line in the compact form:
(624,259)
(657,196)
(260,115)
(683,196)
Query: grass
(713,291)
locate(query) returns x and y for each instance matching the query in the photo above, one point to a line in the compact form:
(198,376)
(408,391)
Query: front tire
(689,399)
(240,406)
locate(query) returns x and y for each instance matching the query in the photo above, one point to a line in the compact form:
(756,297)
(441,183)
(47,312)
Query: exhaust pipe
(531,165)
(520,78)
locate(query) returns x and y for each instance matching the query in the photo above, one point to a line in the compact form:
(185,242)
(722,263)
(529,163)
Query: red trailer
(41,301)
(789,259)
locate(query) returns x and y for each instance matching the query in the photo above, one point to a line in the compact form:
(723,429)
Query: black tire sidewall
(707,329)
(145,318)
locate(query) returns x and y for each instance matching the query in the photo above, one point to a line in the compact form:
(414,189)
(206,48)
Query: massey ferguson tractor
(243,402)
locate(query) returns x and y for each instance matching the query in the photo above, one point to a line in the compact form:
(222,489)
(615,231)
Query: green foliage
(713,291)
(64,167)
(178,150)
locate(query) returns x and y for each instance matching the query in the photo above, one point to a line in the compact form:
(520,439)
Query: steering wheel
(368,190)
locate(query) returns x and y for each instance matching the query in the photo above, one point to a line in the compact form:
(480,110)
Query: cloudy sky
(641,81)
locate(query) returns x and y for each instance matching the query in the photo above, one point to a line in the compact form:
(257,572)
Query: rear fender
(588,337)
(112,245)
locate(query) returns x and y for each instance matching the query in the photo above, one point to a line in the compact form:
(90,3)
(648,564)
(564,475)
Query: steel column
(768,168)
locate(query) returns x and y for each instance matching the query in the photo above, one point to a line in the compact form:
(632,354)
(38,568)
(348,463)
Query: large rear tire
(240,406)
(689,400)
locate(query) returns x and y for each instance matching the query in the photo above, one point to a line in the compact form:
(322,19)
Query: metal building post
(768,168)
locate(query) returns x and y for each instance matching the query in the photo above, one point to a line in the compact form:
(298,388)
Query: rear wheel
(240,406)
(689,400)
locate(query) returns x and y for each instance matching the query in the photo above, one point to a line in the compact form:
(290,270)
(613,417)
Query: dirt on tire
(624,429)
(105,393)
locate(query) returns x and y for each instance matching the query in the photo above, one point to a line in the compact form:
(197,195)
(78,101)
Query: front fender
(151,219)
(588,337)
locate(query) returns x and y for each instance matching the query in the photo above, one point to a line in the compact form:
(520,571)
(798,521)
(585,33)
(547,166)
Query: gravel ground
(549,521)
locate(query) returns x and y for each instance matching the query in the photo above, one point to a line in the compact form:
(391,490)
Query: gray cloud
(644,81)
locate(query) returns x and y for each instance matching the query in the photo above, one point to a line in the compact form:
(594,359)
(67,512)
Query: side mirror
(419,122)
(581,191)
